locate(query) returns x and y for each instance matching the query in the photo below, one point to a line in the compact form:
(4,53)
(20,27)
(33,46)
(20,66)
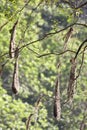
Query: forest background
(43,64)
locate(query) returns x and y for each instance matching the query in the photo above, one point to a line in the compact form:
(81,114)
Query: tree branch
(80,6)
(80,48)
(46,35)
(52,33)
(32,50)
(54,53)
(82,24)
(81,63)
(18,11)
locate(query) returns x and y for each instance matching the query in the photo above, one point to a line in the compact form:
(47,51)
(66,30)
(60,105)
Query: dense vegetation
(43,63)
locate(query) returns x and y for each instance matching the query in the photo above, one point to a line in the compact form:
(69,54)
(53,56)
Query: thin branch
(51,33)
(54,53)
(82,125)
(28,25)
(68,3)
(35,112)
(37,105)
(32,50)
(6,53)
(24,6)
(81,63)
(80,48)
(80,6)
(46,35)
(82,24)
(4,24)
(18,11)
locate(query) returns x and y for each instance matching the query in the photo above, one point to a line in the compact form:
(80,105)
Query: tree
(43,41)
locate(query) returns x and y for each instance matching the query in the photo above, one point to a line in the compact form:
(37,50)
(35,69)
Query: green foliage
(38,64)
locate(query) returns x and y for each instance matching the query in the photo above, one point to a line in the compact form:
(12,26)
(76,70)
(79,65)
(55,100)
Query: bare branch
(28,25)
(37,104)
(32,50)
(52,33)
(82,24)
(6,53)
(18,11)
(55,53)
(80,6)
(81,63)
(46,35)
(68,3)
(24,6)
(34,113)
(80,48)
(83,122)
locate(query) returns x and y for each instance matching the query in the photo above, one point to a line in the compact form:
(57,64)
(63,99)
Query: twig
(24,6)
(37,104)
(35,41)
(35,112)
(46,35)
(67,3)
(53,33)
(82,24)
(30,17)
(18,11)
(81,63)
(32,50)
(54,53)
(6,53)
(82,125)
(80,48)
(80,6)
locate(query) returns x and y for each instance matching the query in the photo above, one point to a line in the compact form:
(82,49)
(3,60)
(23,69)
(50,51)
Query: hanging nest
(15,83)
(71,85)
(57,105)
(67,37)
(12,41)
